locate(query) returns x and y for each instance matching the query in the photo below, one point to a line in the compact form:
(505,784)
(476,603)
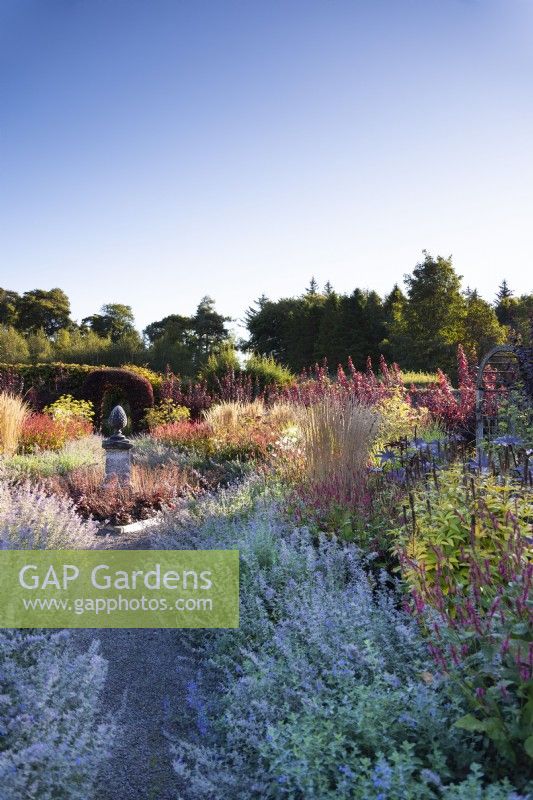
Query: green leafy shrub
(66,407)
(166,411)
(218,364)
(258,374)
(465,553)
(455,515)
(481,635)
(265,371)
(398,419)
(420,380)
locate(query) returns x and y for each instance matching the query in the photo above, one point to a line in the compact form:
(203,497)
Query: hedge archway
(135,388)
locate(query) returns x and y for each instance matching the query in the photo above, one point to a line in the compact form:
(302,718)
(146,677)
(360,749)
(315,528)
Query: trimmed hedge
(42,384)
(155,378)
(135,389)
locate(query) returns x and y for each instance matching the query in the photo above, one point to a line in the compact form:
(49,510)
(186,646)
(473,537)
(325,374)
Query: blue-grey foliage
(52,740)
(326,690)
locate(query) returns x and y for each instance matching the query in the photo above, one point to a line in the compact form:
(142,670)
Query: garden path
(146,687)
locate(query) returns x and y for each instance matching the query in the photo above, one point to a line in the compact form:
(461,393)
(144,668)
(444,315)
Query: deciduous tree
(480,328)
(41,310)
(8,307)
(115,320)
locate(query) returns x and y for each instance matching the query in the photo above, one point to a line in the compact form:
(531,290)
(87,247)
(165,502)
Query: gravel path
(146,687)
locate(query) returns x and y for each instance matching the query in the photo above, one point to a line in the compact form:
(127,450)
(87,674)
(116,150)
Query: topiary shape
(135,388)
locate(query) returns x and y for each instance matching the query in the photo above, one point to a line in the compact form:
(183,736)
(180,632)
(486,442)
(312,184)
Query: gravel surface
(146,687)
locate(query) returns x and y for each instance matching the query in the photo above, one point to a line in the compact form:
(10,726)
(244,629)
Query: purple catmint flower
(196,702)
(31,519)
(345,770)
(382,775)
(508,441)
(387,455)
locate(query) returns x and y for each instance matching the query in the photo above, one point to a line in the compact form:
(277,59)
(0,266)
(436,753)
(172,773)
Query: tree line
(419,326)
(37,327)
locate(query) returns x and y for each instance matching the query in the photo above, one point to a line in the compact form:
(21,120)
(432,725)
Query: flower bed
(116,503)
(327,690)
(32,519)
(54,738)
(385,647)
(43,432)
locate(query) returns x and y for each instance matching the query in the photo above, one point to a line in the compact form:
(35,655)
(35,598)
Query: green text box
(119,588)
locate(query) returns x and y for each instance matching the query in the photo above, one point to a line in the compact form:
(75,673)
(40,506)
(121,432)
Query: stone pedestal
(118,449)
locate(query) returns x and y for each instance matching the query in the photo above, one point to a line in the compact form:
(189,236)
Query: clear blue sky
(153,151)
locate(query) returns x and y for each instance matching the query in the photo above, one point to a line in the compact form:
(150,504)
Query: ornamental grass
(337,437)
(232,417)
(13,413)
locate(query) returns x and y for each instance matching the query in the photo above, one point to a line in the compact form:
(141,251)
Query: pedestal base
(118,464)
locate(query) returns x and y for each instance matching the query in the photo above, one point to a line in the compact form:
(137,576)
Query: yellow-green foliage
(66,407)
(459,515)
(219,363)
(419,379)
(263,370)
(13,412)
(268,372)
(152,377)
(165,412)
(398,418)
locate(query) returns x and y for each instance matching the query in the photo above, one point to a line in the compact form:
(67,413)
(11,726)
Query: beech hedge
(42,384)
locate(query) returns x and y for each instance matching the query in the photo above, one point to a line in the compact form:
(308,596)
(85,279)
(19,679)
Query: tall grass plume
(337,436)
(13,412)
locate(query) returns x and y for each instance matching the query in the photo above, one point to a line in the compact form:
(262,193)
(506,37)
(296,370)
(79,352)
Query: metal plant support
(498,372)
